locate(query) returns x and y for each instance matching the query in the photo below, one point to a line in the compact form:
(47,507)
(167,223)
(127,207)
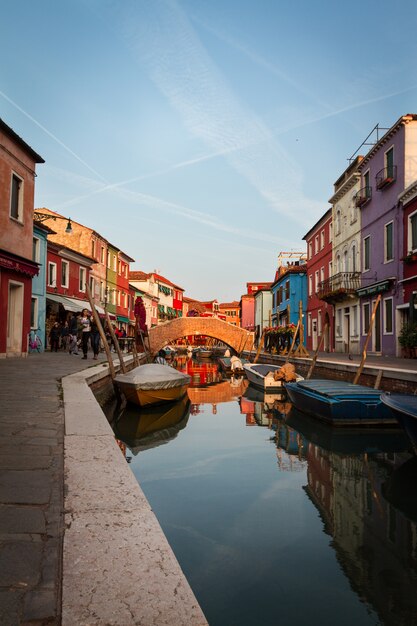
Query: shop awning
(122,318)
(67,303)
(371,290)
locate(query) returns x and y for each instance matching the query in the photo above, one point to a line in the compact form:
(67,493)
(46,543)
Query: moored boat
(263,376)
(404,409)
(152,383)
(340,403)
(204,353)
(231,365)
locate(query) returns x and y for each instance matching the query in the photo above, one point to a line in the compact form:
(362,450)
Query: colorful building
(319,269)
(17,268)
(231,311)
(263,310)
(386,171)
(38,310)
(247,305)
(408,310)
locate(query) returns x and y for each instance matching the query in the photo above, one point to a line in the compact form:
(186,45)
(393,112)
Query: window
(108,258)
(310,249)
(114,263)
(389,162)
(316,241)
(309,324)
(93,248)
(92,286)
(316,277)
(412,232)
(51,274)
(34,314)
(65,274)
(322,274)
(354,313)
(366,253)
(82,279)
(354,257)
(287,290)
(319,322)
(388,242)
(101,291)
(366,184)
(388,327)
(330,232)
(331,268)
(36,250)
(310,285)
(102,255)
(339,322)
(366,316)
(16,198)
(338,221)
(338,264)
(322,239)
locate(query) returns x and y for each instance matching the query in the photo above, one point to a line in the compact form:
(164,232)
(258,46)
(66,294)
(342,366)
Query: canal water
(275,518)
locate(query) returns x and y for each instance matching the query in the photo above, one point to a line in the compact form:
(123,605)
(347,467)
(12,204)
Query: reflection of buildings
(291,448)
(376,545)
(215,394)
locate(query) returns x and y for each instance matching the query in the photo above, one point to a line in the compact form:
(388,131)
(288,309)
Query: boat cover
(153,376)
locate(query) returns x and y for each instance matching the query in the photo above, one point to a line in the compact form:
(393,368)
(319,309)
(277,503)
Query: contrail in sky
(54,137)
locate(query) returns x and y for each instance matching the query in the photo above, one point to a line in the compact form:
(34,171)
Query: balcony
(386,176)
(339,287)
(363,196)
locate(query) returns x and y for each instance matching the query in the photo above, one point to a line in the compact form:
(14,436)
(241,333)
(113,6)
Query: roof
(229,305)
(404,119)
(327,215)
(138,275)
(11,133)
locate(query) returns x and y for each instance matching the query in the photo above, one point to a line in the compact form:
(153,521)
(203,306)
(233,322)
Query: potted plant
(407,339)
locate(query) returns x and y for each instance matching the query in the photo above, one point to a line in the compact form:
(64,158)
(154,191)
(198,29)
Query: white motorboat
(262,375)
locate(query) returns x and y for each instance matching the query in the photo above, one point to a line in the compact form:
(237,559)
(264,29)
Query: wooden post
(378,379)
(261,343)
(293,341)
(101,331)
(116,344)
(135,353)
(313,364)
(301,350)
(368,336)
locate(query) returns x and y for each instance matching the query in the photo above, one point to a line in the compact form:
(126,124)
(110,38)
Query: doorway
(346,329)
(15,319)
(376,331)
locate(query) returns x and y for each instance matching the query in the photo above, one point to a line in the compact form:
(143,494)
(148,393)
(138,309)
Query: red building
(124,304)
(320,315)
(17,188)
(408,200)
(67,274)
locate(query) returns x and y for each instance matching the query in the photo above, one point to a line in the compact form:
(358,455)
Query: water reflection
(270,512)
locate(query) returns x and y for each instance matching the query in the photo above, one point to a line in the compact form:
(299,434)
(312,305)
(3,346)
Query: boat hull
(145,397)
(404,409)
(339,403)
(257,375)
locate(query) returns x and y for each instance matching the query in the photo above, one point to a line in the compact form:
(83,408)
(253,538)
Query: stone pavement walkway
(31,485)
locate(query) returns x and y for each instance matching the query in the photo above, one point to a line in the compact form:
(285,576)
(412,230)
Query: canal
(273,517)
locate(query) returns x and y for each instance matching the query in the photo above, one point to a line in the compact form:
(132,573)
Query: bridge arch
(168,332)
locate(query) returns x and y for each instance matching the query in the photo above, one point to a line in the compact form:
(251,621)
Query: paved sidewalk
(31,485)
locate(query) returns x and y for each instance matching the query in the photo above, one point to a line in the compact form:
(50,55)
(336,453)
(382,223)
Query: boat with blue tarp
(340,403)
(404,408)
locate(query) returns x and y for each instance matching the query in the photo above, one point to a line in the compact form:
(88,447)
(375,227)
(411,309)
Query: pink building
(17,187)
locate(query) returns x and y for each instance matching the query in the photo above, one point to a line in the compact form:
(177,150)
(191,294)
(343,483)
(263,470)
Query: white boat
(261,375)
(153,383)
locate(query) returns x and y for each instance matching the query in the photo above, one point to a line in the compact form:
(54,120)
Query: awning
(67,303)
(122,318)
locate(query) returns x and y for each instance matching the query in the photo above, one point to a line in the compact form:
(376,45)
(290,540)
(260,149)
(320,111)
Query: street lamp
(40,217)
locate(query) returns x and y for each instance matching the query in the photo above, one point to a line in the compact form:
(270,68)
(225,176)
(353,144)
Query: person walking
(95,339)
(86,331)
(64,335)
(54,336)
(73,335)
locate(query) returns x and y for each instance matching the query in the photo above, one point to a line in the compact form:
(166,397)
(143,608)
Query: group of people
(80,330)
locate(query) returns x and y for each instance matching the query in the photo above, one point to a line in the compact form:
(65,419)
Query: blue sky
(202,137)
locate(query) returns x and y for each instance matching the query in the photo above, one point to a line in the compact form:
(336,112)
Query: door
(314,335)
(346,329)
(376,331)
(15,319)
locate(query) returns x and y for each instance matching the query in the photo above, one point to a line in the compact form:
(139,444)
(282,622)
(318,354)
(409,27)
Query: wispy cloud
(164,42)
(51,135)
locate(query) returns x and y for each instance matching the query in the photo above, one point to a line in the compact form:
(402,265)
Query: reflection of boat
(258,395)
(346,441)
(152,383)
(226,364)
(169,351)
(404,408)
(262,375)
(400,489)
(152,426)
(339,402)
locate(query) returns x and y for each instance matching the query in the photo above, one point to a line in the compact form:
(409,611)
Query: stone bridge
(236,338)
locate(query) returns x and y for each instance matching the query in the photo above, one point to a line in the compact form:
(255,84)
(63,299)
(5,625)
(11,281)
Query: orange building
(231,310)
(17,188)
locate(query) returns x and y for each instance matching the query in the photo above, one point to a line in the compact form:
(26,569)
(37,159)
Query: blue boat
(404,408)
(340,403)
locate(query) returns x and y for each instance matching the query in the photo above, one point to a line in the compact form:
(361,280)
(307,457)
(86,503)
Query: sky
(202,137)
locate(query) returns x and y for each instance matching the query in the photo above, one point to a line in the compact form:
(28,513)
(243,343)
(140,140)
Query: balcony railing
(386,176)
(363,196)
(339,287)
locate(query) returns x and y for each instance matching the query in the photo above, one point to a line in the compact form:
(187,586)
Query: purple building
(388,168)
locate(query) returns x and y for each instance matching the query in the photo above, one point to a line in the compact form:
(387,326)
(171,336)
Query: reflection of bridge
(222,392)
(168,332)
